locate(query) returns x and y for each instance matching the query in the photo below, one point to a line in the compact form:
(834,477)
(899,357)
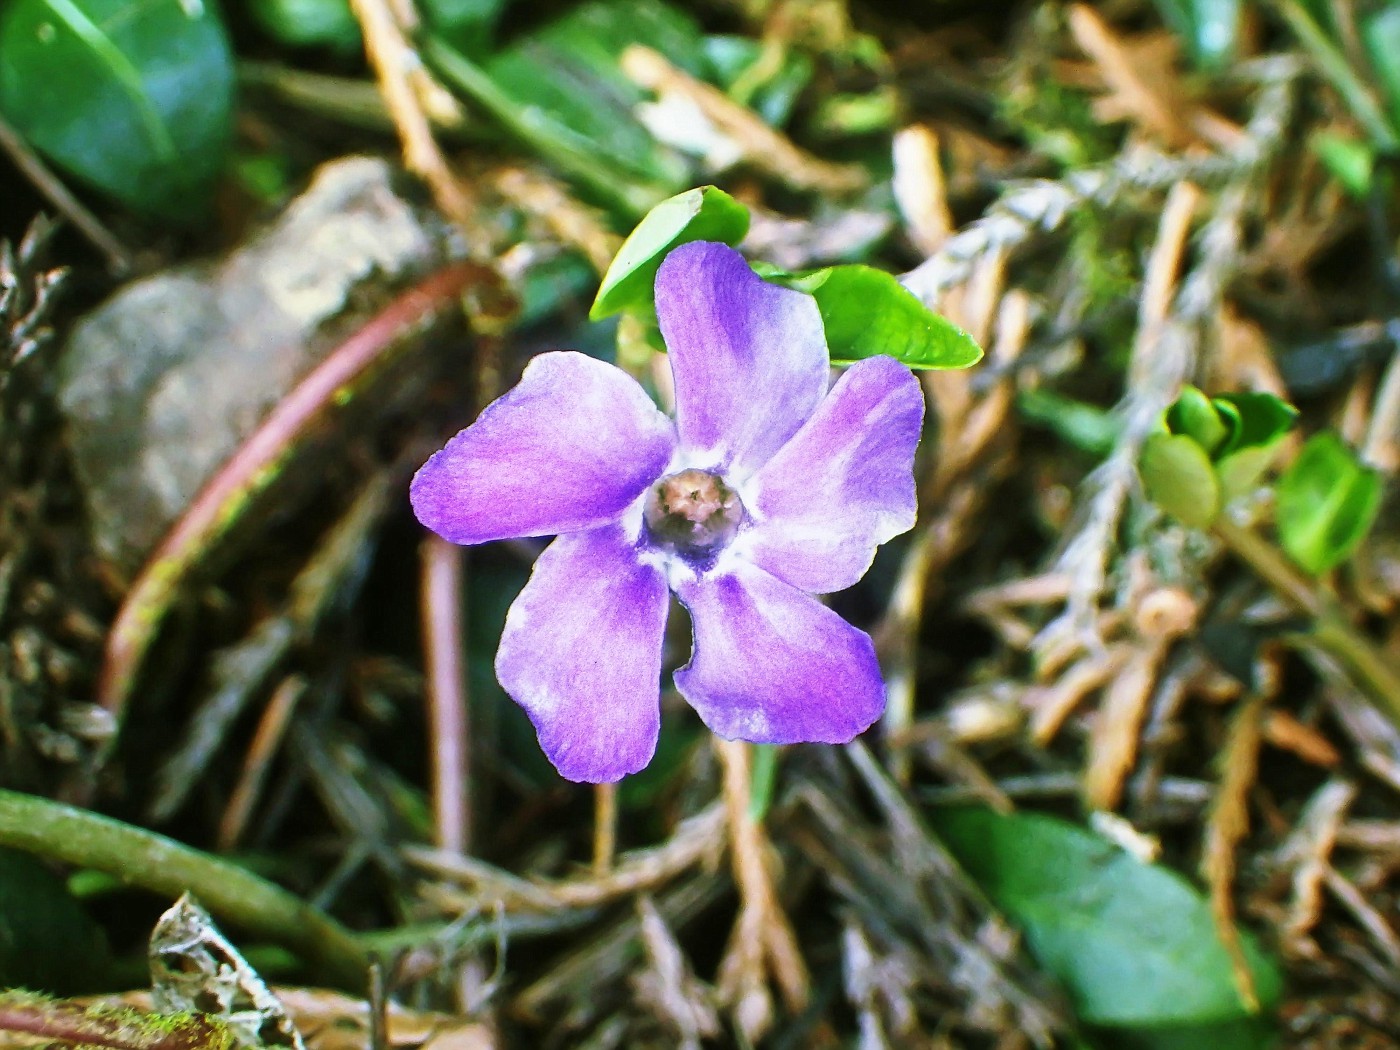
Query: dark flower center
(693,512)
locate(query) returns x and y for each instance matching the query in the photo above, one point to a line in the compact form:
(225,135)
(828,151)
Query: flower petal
(843,485)
(775,666)
(581,652)
(569,447)
(749,358)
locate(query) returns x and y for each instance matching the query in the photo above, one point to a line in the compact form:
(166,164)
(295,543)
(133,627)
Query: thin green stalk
(763,778)
(1369,669)
(143,858)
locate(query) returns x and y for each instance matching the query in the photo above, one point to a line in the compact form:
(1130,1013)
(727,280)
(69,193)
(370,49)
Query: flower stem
(1369,669)
(604,828)
(154,862)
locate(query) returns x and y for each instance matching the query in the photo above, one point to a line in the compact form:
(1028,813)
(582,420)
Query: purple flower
(765,490)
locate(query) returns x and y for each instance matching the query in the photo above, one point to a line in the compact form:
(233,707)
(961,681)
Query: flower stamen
(692,512)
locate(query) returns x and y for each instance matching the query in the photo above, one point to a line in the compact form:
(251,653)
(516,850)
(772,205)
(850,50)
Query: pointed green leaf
(1196,417)
(704,214)
(1134,944)
(867,312)
(1179,478)
(1327,502)
(135,99)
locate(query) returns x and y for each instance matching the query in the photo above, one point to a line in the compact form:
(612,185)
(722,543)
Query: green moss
(112,1025)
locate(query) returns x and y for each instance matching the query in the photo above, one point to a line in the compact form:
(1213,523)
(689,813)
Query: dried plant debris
(47,634)
(194,967)
(1127,787)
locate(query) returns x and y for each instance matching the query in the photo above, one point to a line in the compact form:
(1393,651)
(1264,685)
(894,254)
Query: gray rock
(166,379)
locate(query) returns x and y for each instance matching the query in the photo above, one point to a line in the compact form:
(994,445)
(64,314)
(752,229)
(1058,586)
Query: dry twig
(410,94)
(1226,827)
(762,942)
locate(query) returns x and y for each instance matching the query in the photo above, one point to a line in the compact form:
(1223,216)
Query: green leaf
(1327,502)
(565,84)
(703,214)
(1259,420)
(308,23)
(1194,416)
(1179,478)
(1246,1033)
(1381,35)
(754,76)
(1352,162)
(1087,427)
(1134,944)
(867,312)
(468,23)
(1239,472)
(1210,28)
(1258,425)
(763,778)
(47,941)
(135,99)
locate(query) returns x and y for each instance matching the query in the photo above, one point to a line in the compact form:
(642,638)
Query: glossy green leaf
(47,941)
(1179,478)
(1327,502)
(702,214)
(1194,416)
(1134,944)
(867,312)
(135,99)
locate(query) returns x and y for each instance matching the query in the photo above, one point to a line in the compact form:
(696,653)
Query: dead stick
(450,735)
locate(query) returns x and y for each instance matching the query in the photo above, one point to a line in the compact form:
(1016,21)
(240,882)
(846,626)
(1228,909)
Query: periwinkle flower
(766,490)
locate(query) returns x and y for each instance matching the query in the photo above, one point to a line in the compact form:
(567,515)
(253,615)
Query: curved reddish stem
(252,468)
